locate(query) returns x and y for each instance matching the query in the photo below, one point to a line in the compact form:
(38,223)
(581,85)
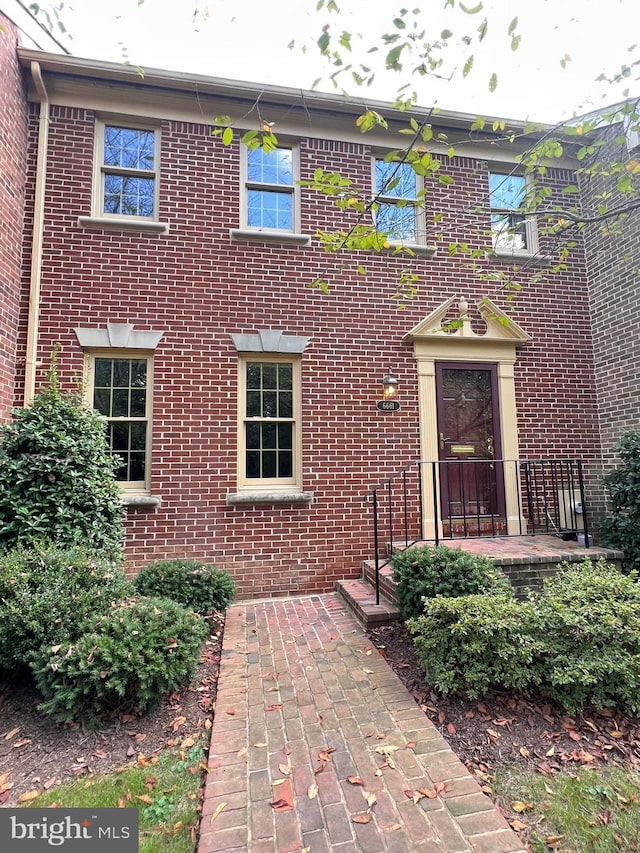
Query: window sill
(123,223)
(248,498)
(258,235)
(150,501)
(530,258)
(410,248)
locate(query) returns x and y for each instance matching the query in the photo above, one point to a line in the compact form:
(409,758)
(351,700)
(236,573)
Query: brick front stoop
(304,702)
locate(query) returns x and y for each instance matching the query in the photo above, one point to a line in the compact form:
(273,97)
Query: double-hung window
(270,189)
(396,210)
(120,389)
(269,446)
(127,171)
(511,230)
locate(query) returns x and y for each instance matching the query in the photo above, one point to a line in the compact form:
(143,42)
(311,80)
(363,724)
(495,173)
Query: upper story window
(397,213)
(270,200)
(127,179)
(120,392)
(511,230)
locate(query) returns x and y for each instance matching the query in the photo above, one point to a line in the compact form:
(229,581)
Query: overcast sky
(248,40)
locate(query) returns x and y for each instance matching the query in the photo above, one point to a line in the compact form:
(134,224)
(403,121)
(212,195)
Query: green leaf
(227,136)
(513,25)
(467,66)
(472,10)
(493,82)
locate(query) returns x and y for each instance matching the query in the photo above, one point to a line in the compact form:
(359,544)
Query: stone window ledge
(148,501)
(520,258)
(410,248)
(249,498)
(264,236)
(123,223)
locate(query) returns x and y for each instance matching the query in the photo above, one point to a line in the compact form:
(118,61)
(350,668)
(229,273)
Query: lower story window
(121,394)
(270,424)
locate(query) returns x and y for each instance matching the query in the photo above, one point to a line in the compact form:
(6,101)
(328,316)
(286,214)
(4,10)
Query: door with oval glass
(470,466)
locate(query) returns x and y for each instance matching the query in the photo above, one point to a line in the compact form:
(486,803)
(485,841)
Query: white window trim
(420,243)
(134,491)
(100,219)
(530,223)
(272,486)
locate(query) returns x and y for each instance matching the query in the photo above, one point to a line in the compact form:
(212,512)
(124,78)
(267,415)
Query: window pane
(138,403)
(129,196)
(103,371)
(270,167)
(254,374)
(270,210)
(138,436)
(399,223)
(120,403)
(285,404)
(102,400)
(397,180)
(253,465)
(285,464)
(253,435)
(269,435)
(129,148)
(269,375)
(509,231)
(285,376)
(119,436)
(507,191)
(253,404)
(285,436)
(137,466)
(269,460)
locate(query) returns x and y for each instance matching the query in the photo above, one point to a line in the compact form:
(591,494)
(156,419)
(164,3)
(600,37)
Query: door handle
(443,440)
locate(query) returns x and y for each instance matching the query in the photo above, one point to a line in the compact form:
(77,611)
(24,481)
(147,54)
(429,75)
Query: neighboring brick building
(175,271)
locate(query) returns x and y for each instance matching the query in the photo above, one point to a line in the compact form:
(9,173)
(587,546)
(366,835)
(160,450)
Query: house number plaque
(387,405)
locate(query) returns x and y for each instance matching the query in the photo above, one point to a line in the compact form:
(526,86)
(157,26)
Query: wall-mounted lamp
(389,386)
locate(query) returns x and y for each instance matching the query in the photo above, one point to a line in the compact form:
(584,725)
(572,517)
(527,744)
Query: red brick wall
(13,157)
(199,287)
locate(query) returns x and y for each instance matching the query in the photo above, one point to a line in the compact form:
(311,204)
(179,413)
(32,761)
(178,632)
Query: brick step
(360,598)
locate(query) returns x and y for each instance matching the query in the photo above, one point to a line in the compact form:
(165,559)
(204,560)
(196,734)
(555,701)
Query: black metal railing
(472,498)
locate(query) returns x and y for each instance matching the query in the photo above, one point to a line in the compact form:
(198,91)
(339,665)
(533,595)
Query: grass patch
(587,811)
(164,789)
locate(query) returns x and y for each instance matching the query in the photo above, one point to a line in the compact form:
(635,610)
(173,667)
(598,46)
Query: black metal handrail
(550,495)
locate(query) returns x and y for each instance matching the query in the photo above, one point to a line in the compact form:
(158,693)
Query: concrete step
(360,597)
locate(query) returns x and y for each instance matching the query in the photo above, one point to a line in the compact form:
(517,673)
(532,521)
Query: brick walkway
(304,702)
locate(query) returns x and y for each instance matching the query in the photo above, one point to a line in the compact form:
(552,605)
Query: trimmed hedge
(127,660)
(577,641)
(47,595)
(189,582)
(427,571)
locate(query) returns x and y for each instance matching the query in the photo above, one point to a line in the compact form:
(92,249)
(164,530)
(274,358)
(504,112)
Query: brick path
(302,690)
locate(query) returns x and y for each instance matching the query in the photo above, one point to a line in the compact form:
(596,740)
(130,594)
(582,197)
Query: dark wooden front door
(471,482)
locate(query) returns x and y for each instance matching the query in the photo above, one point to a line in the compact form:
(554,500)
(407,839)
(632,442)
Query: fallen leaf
(187,743)
(370,797)
(355,780)
(12,733)
(518,825)
(324,754)
(524,752)
(28,796)
(390,827)
(271,707)
(365,817)
(260,745)
(284,769)
(312,793)
(520,806)
(177,722)
(145,798)
(24,742)
(217,811)
(230,712)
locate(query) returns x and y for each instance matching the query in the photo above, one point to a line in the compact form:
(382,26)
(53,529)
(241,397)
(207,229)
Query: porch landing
(526,560)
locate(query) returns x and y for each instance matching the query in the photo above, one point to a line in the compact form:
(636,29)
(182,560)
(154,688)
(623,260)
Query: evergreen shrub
(427,571)
(46,596)
(126,661)
(191,583)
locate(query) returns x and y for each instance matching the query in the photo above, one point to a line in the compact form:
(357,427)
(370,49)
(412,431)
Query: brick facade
(13,161)
(198,287)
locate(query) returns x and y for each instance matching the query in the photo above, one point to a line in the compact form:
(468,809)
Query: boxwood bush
(126,661)
(588,631)
(428,571)
(189,582)
(475,642)
(576,641)
(46,596)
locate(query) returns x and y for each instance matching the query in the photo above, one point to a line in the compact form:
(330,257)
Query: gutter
(33,320)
